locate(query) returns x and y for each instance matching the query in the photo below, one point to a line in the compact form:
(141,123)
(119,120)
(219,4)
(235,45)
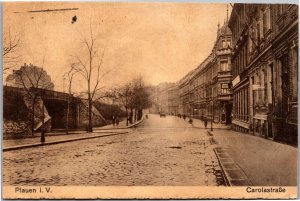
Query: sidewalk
(8,145)
(197,123)
(60,137)
(264,161)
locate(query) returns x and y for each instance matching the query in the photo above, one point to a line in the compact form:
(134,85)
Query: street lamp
(43,120)
(212,115)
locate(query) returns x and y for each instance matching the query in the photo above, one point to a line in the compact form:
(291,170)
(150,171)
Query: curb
(130,126)
(56,142)
(233,174)
(136,123)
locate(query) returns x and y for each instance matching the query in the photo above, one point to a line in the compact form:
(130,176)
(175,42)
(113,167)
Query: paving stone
(136,158)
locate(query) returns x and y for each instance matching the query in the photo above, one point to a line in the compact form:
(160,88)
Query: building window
(224,91)
(224,66)
(228,43)
(250,45)
(265,86)
(268,18)
(261,28)
(223,43)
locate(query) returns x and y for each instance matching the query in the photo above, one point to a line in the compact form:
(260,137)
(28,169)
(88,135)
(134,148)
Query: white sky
(160,41)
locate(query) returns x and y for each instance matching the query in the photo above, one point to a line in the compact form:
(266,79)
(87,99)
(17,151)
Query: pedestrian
(113,120)
(117,120)
(205,122)
(184,117)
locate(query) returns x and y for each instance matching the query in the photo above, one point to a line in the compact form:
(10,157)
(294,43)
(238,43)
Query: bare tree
(141,99)
(30,78)
(124,95)
(134,97)
(90,71)
(11,44)
(70,75)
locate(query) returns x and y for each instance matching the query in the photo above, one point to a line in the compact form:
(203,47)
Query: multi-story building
(205,92)
(173,101)
(184,93)
(265,69)
(160,98)
(222,76)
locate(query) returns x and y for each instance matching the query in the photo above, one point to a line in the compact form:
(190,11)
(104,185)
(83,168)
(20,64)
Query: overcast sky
(160,41)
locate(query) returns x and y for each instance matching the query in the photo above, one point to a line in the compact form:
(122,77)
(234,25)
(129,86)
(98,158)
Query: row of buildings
(250,78)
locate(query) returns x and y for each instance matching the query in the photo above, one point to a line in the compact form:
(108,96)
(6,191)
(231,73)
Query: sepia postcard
(149,100)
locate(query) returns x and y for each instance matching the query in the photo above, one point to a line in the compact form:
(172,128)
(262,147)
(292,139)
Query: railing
(224,73)
(224,51)
(48,94)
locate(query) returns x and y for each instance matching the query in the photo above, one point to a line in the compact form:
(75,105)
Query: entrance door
(228,109)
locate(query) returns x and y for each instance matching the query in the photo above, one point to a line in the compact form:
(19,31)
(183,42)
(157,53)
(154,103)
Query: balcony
(223,51)
(224,74)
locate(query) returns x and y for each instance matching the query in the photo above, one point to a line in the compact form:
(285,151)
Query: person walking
(205,122)
(113,120)
(117,120)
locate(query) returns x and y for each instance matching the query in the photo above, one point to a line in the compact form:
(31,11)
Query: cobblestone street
(161,151)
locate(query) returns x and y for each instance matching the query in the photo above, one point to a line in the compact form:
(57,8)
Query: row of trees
(134,97)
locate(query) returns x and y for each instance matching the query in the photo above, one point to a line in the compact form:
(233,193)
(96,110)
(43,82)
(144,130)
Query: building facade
(184,90)
(161,98)
(173,101)
(205,92)
(265,69)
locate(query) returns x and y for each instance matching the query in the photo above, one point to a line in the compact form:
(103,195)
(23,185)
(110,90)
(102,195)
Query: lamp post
(212,115)
(43,120)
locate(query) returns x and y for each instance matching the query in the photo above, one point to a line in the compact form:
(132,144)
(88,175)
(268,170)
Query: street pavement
(161,151)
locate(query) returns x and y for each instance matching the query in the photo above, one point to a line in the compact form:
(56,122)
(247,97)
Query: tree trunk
(131,115)
(68,114)
(140,114)
(90,128)
(126,116)
(32,118)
